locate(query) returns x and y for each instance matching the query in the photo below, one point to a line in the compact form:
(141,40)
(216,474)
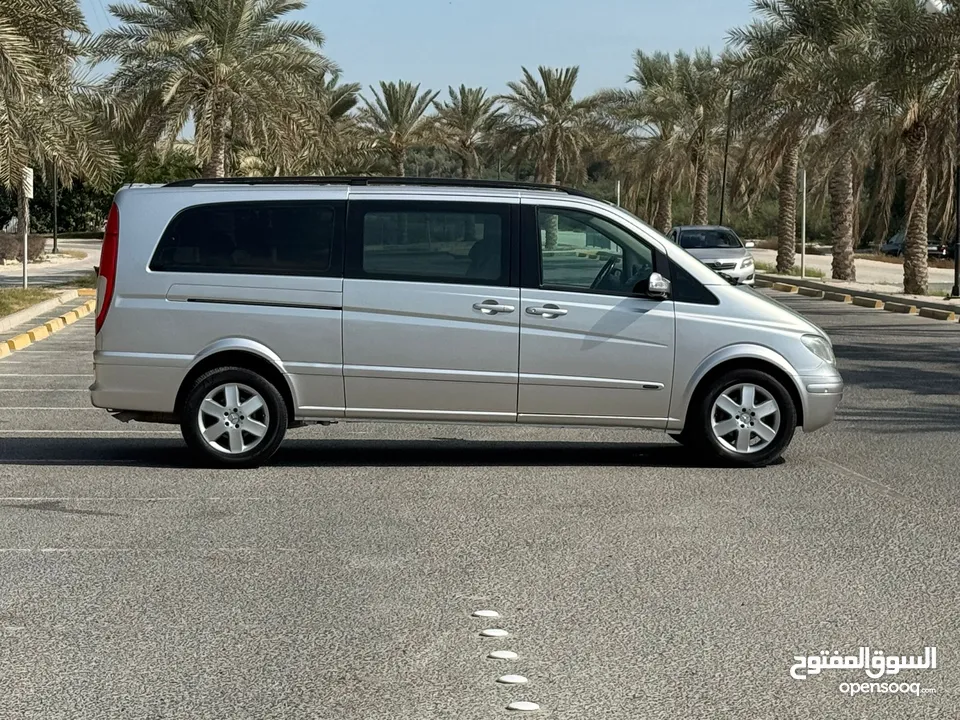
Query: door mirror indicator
(656,287)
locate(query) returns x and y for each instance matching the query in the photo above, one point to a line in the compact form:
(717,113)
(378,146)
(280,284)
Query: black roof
(370,181)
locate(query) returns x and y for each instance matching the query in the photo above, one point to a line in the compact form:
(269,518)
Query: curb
(19,342)
(838,297)
(22,316)
(938,314)
(901,308)
(868,303)
(883,297)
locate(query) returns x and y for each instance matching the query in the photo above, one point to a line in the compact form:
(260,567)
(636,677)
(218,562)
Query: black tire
(699,432)
(274,416)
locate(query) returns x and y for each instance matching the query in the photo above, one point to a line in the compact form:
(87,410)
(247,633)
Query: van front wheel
(232,417)
(745,417)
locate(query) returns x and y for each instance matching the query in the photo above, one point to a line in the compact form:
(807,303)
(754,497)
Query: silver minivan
(241,307)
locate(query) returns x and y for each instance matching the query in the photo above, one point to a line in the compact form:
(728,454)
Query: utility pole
(55,190)
(803,226)
(23,221)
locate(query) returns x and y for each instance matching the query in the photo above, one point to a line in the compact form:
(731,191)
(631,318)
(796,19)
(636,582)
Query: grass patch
(794,271)
(15,299)
(87,280)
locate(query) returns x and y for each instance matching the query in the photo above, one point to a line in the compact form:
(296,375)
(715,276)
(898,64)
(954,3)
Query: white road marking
(503,655)
(494,633)
(875,484)
(523,706)
(486,614)
(37,407)
(512,680)
(33,375)
(89,432)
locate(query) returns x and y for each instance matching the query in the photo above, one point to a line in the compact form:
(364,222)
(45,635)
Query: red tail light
(107,276)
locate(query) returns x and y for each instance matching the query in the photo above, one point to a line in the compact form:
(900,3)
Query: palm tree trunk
(841,219)
(464,166)
(915,274)
(701,188)
(215,166)
(552,220)
(787,220)
(399,161)
(664,217)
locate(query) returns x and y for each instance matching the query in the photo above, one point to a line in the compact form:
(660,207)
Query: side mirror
(656,286)
(749,244)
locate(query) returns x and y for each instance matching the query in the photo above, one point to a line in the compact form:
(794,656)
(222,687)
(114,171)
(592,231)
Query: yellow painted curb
(810,292)
(91,305)
(38,333)
(838,297)
(868,303)
(19,342)
(938,314)
(86,292)
(41,332)
(763,283)
(783,287)
(901,308)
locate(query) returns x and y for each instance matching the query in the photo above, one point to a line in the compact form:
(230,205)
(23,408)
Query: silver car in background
(242,307)
(720,249)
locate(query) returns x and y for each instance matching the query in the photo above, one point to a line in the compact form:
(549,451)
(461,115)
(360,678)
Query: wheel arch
(239,353)
(742,357)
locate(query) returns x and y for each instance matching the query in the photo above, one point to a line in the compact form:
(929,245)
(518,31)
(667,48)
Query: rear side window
(433,241)
(254,238)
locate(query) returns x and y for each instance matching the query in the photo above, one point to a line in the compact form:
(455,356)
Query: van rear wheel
(233,417)
(745,417)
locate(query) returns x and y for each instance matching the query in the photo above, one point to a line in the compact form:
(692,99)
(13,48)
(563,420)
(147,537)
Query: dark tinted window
(719,238)
(687,289)
(257,238)
(442,243)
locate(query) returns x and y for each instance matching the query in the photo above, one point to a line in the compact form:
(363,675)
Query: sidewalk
(55,273)
(872,275)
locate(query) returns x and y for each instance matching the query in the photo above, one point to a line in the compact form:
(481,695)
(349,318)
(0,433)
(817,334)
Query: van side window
(432,242)
(254,238)
(686,288)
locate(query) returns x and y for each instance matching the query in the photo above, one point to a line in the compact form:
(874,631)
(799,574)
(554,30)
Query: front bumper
(822,395)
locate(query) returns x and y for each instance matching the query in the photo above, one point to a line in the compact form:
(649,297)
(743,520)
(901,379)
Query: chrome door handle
(492,307)
(547,311)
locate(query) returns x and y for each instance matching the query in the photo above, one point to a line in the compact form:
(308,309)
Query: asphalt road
(635,581)
(42,274)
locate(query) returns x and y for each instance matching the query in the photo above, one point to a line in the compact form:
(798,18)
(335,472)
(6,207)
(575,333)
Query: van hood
(769,310)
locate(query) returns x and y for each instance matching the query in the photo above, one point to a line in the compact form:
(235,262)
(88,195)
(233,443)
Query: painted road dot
(486,614)
(523,705)
(503,655)
(494,632)
(512,680)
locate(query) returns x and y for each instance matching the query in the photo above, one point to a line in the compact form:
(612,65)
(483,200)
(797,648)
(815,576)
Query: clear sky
(485,42)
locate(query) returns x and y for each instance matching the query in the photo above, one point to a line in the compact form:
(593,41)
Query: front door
(431,324)
(591,350)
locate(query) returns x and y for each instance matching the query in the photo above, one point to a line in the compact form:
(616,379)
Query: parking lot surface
(635,580)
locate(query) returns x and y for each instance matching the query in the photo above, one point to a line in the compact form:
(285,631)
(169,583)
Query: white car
(720,249)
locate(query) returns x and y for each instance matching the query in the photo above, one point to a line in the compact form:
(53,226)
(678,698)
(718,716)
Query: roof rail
(368,181)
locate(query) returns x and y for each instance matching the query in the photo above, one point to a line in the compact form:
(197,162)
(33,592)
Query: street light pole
(726,155)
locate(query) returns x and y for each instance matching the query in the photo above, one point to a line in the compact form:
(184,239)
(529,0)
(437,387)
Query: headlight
(820,347)
(748,263)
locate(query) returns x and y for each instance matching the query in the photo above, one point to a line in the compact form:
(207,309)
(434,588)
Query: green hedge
(11,247)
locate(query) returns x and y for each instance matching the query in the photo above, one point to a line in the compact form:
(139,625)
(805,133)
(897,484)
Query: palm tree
(550,124)
(396,118)
(465,123)
(917,93)
(701,94)
(777,120)
(652,111)
(235,68)
(47,112)
(820,50)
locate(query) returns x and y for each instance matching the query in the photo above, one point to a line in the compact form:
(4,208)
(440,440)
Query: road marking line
(20,375)
(877,485)
(45,407)
(45,389)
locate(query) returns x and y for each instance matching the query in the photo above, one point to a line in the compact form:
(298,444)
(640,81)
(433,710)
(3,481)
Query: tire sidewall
(769,384)
(277,408)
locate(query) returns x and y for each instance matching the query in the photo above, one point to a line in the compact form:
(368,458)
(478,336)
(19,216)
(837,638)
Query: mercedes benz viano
(239,308)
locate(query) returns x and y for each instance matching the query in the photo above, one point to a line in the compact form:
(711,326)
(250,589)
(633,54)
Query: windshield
(711,239)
